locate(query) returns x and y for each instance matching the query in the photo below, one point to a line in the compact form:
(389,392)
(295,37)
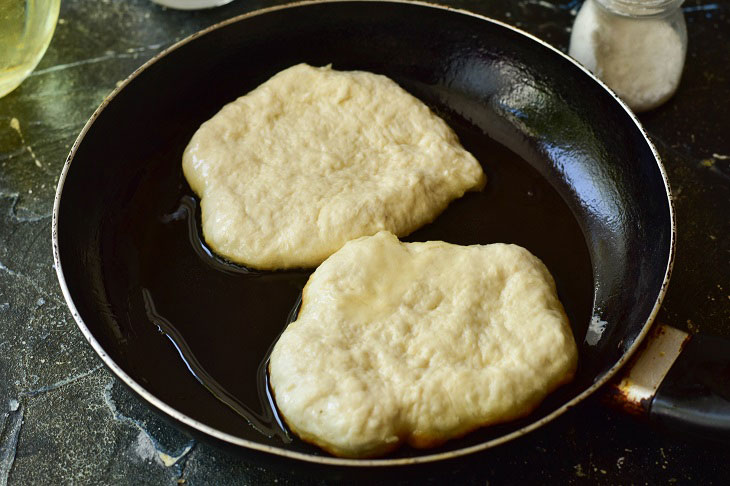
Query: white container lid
(191,4)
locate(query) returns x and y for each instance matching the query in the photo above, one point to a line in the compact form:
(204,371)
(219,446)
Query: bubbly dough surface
(314,158)
(418,343)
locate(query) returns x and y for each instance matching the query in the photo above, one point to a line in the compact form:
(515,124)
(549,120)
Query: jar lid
(640,8)
(191,4)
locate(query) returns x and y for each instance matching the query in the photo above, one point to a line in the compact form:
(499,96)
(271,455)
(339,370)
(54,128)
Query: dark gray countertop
(65,419)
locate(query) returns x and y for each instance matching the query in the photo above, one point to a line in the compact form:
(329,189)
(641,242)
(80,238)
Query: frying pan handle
(695,394)
(680,382)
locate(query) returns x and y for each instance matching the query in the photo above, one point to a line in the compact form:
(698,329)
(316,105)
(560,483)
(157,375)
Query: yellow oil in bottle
(26,28)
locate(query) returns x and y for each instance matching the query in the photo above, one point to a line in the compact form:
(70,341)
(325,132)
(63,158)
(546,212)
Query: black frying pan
(572,177)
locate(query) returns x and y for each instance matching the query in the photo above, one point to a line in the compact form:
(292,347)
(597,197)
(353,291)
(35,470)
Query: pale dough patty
(419,343)
(314,158)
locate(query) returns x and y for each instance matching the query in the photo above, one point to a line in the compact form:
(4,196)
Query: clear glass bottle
(26,28)
(637,47)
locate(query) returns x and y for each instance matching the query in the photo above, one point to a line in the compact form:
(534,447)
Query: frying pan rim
(327,460)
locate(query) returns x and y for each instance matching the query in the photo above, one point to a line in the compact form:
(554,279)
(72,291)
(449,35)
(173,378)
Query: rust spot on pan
(617,395)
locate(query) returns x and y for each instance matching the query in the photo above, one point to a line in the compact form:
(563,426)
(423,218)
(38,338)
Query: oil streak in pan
(187,211)
(268,421)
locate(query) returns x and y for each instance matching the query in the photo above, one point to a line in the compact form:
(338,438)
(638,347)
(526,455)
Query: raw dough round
(314,158)
(419,343)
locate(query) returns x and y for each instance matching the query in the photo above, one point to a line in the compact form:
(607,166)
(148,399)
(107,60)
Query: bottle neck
(641,8)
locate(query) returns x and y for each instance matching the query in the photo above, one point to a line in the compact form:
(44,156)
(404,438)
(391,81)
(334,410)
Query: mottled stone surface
(64,419)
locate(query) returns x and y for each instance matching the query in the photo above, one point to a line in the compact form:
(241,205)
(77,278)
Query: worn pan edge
(325,460)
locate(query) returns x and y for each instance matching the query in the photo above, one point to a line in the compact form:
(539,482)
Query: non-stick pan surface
(572,178)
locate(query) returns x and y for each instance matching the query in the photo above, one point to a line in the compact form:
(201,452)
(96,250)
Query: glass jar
(636,47)
(26,28)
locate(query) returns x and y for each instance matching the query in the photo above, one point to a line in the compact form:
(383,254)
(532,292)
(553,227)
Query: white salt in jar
(637,47)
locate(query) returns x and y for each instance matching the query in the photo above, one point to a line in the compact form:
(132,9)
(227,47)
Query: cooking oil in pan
(198,330)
